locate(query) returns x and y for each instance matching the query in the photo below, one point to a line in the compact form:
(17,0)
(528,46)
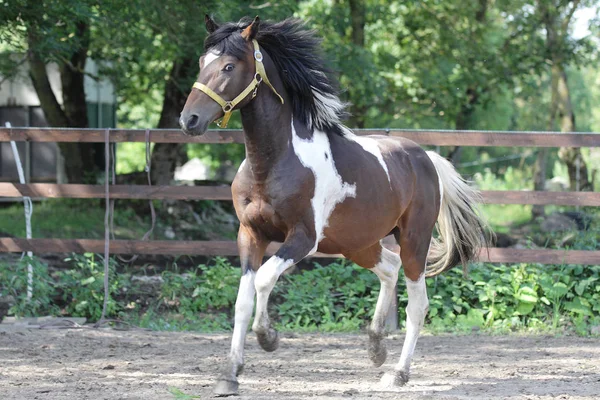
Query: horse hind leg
(385,264)
(413,252)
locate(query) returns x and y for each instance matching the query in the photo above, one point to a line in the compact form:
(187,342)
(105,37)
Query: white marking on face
(371,146)
(315,154)
(210,57)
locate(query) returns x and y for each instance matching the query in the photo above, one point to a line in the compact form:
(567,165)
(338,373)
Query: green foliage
(13,282)
(502,216)
(69,218)
(337,297)
(82,286)
(522,297)
(209,291)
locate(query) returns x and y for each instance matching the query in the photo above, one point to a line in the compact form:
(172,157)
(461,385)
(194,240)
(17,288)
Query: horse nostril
(192,121)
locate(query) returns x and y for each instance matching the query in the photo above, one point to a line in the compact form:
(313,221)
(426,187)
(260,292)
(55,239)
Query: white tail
(461,230)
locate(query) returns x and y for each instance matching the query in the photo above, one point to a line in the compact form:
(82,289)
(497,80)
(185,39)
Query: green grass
(69,219)
(503,217)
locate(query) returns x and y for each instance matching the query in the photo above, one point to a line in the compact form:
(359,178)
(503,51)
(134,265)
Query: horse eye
(229,67)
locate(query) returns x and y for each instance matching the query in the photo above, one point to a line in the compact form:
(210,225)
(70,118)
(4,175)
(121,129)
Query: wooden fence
(228,248)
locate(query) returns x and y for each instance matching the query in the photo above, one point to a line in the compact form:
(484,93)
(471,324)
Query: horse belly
(352,228)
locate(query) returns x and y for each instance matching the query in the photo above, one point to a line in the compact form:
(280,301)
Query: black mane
(296,52)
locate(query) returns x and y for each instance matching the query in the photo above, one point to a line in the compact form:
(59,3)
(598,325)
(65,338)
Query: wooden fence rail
(229,248)
(223,192)
(423,137)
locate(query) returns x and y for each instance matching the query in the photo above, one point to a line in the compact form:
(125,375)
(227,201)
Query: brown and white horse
(310,183)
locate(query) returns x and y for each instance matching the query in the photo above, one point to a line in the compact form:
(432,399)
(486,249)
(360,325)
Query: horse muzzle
(193,124)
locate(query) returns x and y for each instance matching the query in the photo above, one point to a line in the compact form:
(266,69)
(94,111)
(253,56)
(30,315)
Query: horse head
(230,74)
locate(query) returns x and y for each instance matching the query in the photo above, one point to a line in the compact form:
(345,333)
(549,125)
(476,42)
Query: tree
(556,16)
(55,31)
(160,51)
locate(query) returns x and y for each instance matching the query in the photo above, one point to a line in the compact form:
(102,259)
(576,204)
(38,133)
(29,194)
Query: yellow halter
(259,76)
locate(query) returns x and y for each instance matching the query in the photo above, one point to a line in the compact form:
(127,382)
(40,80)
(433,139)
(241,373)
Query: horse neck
(267,127)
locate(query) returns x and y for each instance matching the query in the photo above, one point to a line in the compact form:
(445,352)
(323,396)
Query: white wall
(20,92)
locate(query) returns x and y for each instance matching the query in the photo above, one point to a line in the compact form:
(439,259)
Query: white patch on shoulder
(370,145)
(210,57)
(315,154)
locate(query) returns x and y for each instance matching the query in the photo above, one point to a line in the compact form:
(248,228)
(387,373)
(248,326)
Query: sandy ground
(109,364)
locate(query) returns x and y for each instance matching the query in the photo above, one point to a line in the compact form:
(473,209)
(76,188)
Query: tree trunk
(557,31)
(540,167)
(539,179)
(166,156)
(358,21)
(571,156)
(463,121)
(463,118)
(75,106)
(55,116)
(77,156)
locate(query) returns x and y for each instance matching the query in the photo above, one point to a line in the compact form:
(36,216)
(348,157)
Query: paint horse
(310,183)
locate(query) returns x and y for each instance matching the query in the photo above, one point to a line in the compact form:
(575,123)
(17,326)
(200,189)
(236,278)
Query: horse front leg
(298,244)
(251,248)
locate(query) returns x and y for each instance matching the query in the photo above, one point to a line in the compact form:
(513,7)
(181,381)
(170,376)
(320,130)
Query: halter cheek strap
(259,77)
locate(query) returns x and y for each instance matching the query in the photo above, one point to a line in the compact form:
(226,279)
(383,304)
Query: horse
(311,184)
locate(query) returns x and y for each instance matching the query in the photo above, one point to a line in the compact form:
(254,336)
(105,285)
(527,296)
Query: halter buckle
(258,55)
(258,78)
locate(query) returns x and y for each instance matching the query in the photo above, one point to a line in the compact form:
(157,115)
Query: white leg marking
(210,57)
(387,271)
(418,303)
(330,189)
(371,146)
(244,306)
(266,277)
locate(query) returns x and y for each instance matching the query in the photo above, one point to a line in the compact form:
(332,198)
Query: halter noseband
(228,106)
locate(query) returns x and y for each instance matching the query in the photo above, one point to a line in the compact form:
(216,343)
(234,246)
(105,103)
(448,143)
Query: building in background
(20,106)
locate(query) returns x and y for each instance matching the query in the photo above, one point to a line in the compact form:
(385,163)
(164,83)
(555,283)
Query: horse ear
(251,30)
(211,25)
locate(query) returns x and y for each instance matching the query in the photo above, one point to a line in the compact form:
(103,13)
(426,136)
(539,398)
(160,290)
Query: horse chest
(262,216)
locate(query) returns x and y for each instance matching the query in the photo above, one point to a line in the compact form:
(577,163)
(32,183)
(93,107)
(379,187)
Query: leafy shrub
(13,282)
(339,297)
(82,286)
(518,297)
(204,291)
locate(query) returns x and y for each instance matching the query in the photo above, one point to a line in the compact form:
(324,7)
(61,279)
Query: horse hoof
(268,340)
(225,387)
(394,380)
(377,351)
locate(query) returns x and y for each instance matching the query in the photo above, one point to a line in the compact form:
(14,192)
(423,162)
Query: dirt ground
(110,364)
